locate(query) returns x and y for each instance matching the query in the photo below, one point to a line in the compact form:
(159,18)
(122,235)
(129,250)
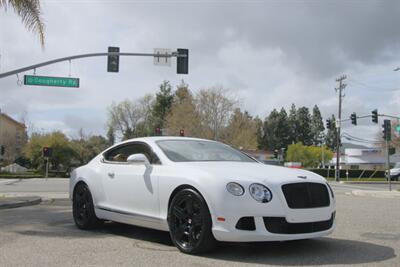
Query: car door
(131,189)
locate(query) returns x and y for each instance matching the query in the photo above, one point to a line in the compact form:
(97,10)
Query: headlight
(260,193)
(235,189)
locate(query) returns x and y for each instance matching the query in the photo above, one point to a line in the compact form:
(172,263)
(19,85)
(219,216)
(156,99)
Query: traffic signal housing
(276,153)
(47,152)
(182,61)
(387,130)
(353,118)
(2,150)
(182,132)
(328,124)
(113,61)
(375,116)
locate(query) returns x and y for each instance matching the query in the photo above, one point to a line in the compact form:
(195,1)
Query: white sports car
(200,191)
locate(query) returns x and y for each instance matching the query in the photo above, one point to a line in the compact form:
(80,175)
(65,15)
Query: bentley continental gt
(202,192)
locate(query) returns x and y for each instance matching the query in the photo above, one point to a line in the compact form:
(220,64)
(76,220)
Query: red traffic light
(182,132)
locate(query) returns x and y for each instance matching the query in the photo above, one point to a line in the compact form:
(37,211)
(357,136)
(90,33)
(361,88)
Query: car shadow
(58,222)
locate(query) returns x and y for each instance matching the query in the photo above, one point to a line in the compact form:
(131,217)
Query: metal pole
(340,89)
(388,164)
(47,167)
(9,73)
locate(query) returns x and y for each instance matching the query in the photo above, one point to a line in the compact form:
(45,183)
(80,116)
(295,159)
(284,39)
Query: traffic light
(113,61)
(157,131)
(2,150)
(276,153)
(353,118)
(47,152)
(182,132)
(375,116)
(182,63)
(328,124)
(387,130)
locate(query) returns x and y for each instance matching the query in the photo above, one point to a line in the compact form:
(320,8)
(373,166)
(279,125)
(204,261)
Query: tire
(190,223)
(83,209)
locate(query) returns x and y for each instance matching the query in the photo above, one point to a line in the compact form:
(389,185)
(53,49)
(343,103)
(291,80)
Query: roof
(19,124)
(159,138)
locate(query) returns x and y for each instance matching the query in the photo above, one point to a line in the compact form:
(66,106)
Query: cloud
(270,54)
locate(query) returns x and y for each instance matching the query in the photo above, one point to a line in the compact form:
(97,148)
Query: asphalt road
(368,234)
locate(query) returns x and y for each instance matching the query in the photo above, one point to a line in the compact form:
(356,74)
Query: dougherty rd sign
(51,81)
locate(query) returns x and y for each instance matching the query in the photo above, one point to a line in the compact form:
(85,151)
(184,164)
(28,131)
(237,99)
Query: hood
(257,172)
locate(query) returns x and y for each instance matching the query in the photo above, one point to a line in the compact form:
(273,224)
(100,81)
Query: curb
(16,202)
(371,182)
(377,194)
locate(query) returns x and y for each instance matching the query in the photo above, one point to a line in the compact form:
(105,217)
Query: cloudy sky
(268,53)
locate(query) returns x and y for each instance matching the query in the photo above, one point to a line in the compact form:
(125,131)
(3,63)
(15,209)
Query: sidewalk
(16,202)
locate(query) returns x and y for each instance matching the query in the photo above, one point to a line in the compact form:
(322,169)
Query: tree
(184,115)
(304,125)
(132,118)
(30,13)
(87,147)
(110,136)
(215,107)
(331,135)
(271,137)
(317,127)
(309,156)
(62,150)
(241,131)
(162,104)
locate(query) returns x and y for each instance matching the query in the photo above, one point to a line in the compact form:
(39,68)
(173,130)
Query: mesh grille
(306,195)
(279,225)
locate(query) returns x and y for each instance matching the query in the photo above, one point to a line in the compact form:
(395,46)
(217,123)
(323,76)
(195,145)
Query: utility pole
(340,89)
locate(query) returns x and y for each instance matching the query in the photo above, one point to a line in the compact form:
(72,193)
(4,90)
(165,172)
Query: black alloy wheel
(83,209)
(190,223)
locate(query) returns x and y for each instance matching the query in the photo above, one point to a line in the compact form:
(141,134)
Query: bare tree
(131,118)
(215,106)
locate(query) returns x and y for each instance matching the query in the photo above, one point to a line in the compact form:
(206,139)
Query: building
(364,158)
(13,137)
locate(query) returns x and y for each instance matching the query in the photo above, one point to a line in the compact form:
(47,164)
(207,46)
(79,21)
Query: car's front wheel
(83,209)
(190,223)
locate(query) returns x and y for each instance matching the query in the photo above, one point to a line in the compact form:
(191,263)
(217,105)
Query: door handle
(111,174)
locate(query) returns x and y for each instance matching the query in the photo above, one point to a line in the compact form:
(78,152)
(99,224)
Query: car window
(121,153)
(199,150)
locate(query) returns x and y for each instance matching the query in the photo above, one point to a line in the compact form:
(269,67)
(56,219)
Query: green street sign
(398,128)
(51,81)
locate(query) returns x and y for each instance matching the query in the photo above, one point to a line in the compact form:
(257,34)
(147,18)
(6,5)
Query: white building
(364,158)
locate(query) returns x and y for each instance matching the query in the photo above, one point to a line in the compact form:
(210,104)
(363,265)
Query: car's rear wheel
(83,209)
(190,223)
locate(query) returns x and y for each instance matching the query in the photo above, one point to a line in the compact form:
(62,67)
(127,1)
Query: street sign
(51,81)
(162,61)
(398,129)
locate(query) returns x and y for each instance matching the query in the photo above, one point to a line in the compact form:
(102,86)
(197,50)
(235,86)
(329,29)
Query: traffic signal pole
(388,164)
(32,67)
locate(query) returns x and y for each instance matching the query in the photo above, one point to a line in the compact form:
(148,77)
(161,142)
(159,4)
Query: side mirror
(138,159)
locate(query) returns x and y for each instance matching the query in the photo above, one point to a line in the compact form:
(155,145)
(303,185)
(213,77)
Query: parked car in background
(394,172)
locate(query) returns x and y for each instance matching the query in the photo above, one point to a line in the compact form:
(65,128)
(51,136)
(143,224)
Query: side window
(121,154)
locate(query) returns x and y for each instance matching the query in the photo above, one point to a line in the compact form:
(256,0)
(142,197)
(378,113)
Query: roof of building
(17,123)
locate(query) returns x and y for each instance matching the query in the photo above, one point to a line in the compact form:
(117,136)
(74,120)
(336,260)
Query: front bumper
(296,223)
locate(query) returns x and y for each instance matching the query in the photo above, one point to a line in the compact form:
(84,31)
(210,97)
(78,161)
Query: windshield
(198,150)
